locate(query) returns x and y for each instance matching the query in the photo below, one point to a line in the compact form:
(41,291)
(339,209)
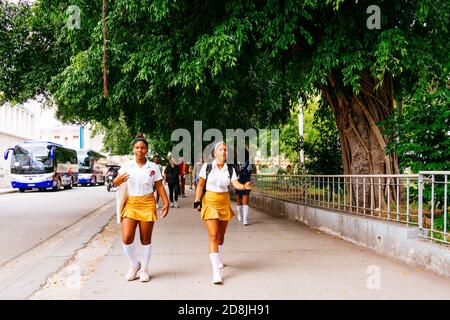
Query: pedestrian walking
(141,176)
(242,197)
(184,171)
(172,178)
(215,205)
(191,180)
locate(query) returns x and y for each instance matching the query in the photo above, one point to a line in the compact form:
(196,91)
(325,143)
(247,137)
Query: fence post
(419,211)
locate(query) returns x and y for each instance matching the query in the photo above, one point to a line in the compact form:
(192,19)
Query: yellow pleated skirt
(141,208)
(217,205)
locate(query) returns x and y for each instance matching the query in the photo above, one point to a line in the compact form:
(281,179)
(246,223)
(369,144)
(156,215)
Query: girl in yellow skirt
(215,206)
(140,207)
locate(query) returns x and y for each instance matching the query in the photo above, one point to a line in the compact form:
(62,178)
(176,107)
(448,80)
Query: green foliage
(423,131)
(320,139)
(29,51)
(231,64)
(118,138)
(322,148)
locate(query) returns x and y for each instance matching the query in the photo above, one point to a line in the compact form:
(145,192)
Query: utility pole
(81,137)
(300,132)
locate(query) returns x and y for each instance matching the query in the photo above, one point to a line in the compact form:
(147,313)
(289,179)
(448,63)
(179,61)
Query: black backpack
(244,173)
(208,170)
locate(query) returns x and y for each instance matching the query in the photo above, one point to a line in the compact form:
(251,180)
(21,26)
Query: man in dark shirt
(172,178)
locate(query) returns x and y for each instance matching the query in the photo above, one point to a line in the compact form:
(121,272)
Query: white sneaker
(132,272)
(217,278)
(176,204)
(144,276)
(245,222)
(171,204)
(239,217)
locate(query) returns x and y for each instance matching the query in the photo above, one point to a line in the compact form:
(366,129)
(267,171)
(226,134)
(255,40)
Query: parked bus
(91,167)
(42,165)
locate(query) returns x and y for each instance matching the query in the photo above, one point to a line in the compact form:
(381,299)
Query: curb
(8,191)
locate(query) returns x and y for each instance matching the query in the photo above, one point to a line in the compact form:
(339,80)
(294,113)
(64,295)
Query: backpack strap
(247,163)
(208,171)
(230,170)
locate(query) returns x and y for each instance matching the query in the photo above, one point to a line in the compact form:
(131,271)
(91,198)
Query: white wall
(30,121)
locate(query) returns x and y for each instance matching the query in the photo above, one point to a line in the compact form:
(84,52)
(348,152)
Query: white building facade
(30,121)
(17,123)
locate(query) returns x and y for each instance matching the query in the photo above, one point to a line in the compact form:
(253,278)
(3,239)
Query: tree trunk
(362,142)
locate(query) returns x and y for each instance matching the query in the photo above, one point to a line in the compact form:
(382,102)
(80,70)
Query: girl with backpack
(215,205)
(245,172)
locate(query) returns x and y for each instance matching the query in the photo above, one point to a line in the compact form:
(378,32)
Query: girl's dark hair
(140,137)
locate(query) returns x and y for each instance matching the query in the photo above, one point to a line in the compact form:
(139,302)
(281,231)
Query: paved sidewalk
(270,259)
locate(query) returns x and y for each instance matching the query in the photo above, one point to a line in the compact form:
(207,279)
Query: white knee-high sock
(245,212)
(220,258)
(239,211)
(146,254)
(130,252)
(215,261)
(214,257)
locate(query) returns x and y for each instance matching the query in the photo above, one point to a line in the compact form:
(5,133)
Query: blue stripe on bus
(44,184)
(84,180)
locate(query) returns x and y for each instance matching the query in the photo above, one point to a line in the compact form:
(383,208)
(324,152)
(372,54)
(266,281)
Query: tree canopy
(231,64)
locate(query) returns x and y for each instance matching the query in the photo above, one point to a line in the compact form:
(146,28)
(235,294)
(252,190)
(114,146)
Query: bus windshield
(31,159)
(84,162)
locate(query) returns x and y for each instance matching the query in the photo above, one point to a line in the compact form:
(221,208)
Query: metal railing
(418,200)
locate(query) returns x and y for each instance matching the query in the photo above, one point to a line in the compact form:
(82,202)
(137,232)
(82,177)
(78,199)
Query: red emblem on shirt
(152,173)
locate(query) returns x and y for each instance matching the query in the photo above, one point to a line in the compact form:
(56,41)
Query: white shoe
(221,265)
(176,204)
(239,217)
(245,222)
(144,276)
(132,272)
(217,278)
(171,204)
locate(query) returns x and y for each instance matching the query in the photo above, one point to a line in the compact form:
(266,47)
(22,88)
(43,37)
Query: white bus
(91,167)
(42,165)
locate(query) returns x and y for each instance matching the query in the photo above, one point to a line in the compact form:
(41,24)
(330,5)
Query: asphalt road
(30,218)
(41,230)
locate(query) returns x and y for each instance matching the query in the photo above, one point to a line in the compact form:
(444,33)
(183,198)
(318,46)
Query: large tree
(237,64)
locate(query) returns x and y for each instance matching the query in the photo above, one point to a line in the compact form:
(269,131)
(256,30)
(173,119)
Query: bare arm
(121,178)
(162,193)
(199,191)
(237,185)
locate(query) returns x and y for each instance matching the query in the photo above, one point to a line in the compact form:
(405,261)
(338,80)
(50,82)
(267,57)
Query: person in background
(141,176)
(245,171)
(183,172)
(172,178)
(191,180)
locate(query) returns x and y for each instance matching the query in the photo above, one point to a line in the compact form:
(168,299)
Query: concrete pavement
(270,259)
